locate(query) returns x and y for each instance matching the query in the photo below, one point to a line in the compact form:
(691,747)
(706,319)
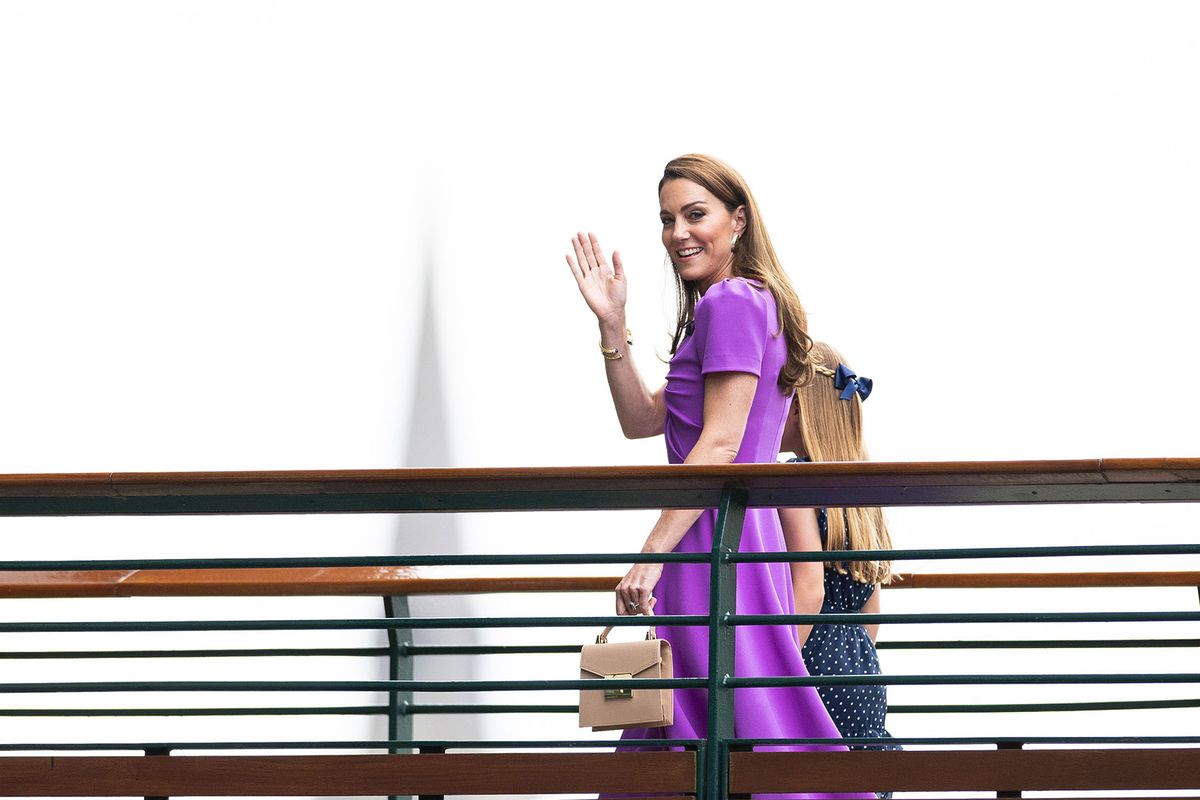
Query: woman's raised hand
(603,287)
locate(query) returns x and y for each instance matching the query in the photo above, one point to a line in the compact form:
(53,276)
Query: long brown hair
(831,429)
(753,258)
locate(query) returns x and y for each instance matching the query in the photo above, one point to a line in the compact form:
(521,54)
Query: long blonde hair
(831,429)
(753,258)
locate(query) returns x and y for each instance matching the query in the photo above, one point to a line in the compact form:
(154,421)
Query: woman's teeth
(691,251)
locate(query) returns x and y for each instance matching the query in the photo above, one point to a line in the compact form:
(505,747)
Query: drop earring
(733,241)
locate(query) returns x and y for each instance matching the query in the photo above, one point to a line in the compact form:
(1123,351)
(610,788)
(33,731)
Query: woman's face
(698,231)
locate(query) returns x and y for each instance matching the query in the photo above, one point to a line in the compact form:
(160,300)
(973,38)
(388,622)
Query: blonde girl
(826,425)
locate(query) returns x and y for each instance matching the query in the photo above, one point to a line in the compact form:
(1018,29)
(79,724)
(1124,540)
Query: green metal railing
(731,490)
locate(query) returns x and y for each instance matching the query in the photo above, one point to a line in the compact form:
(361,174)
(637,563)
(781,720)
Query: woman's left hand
(635,592)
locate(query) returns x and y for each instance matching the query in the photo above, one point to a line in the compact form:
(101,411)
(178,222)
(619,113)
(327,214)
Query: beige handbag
(614,709)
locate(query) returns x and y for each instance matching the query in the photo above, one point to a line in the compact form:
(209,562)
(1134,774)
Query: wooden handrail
(394,581)
(966,770)
(565,772)
(348,775)
(675,486)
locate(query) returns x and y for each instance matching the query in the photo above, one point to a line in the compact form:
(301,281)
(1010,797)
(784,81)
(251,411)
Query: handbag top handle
(603,637)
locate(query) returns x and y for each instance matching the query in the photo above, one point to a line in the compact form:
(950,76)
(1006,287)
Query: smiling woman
(740,350)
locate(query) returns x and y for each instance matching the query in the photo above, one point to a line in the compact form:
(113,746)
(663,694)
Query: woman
(739,350)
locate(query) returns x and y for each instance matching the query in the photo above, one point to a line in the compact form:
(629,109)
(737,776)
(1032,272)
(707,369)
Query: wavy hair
(831,429)
(753,258)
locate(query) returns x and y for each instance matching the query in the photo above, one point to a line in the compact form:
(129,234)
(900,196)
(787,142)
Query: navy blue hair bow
(849,383)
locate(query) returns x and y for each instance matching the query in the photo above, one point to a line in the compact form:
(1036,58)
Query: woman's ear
(739,219)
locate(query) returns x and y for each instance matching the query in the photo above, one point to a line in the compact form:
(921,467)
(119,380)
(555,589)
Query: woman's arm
(639,410)
(872,606)
(801,534)
(727,400)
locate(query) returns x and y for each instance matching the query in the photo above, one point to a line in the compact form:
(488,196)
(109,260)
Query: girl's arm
(640,411)
(872,606)
(802,534)
(727,400)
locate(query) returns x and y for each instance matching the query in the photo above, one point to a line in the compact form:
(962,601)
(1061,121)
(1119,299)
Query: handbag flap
(617,658)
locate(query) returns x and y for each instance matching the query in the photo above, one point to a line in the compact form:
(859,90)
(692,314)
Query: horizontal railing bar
(582,488)
(1038,644)
(78,687)
(449,580)
(969,740)
(532,559)
(198,653)
(957,553)
(958,680)
(988,708)
(429,560)
(1120,705)
(489,708)
(234,711)
(351,774)
(681,620)
(105,626)
(937,619)
(597,744)
(487,650)
(535,708)
(1002,770)
(351,744)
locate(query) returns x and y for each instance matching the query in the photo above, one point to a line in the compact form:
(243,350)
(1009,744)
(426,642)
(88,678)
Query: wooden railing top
(396,581)
(559,488)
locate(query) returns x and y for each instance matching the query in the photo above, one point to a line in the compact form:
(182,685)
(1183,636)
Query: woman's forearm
(727,400)
(639,411)
(674,523)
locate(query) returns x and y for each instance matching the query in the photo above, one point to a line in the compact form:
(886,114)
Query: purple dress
(735,331)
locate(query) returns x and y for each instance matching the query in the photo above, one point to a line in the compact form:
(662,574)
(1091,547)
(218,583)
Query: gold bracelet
(612,353)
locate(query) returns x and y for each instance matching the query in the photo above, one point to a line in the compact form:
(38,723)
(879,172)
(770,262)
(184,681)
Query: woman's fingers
(593,242)
(618,267)
(580,254)
(635,592)
(574,268)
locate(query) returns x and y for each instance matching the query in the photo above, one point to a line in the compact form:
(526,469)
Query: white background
(226,229)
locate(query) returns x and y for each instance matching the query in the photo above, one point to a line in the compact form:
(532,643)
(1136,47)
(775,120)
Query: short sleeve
(732,325)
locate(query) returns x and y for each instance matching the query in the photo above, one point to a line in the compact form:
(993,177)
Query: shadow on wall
(429,446)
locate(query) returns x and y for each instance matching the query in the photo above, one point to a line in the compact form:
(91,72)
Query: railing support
(400,667)
(727,537)
(1005,793)
(157,752)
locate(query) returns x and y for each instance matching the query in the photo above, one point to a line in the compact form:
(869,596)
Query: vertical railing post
(400,668)
(1002,793)
(727,537)
(157,752)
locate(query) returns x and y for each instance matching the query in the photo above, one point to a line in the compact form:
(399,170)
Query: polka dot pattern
(847,650)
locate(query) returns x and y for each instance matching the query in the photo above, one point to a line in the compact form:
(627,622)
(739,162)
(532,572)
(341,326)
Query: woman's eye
(666,221)
(694,215)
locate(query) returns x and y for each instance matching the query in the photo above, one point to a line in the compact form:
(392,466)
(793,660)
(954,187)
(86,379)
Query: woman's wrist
(613,331)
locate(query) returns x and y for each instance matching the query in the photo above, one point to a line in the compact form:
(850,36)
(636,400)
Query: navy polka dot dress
(858,711)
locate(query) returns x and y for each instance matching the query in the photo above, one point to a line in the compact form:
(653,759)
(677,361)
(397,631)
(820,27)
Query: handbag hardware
(619,694)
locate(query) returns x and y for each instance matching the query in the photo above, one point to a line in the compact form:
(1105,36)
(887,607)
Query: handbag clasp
(618,694)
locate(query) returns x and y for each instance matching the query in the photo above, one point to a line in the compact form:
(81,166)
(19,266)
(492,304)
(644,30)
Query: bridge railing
(718,766)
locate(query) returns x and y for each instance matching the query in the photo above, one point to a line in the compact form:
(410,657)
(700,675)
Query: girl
(826,425)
